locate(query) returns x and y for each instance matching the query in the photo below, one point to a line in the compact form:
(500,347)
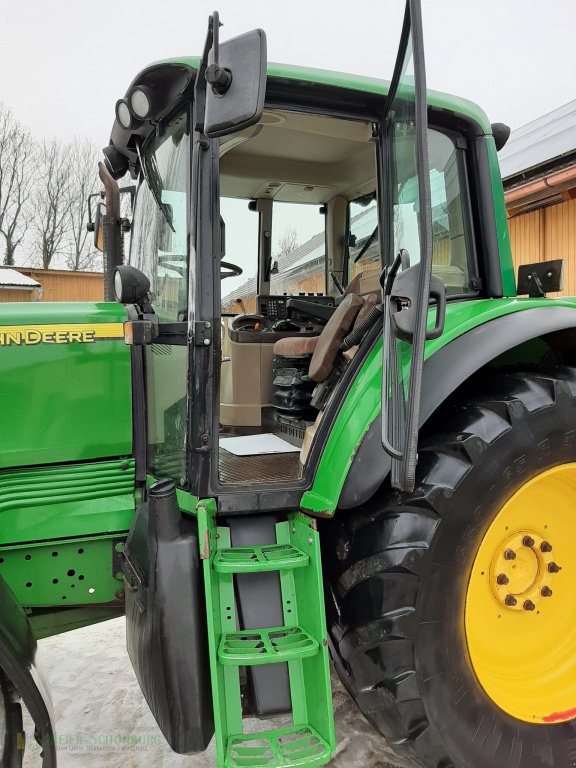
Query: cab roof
(456,104)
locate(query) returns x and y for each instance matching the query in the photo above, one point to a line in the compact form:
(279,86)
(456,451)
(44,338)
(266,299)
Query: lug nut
(553,568)
(502,579)
(509,554)
(528,541)
(545,547)
(546,592)
(510,600)
(529,605)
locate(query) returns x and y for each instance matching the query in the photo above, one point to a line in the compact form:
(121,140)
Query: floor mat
(245,470)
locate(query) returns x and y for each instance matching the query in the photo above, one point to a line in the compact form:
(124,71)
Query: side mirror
(95,221)
(98,229)
(235,82)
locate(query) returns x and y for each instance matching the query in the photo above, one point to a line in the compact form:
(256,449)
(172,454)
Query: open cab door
(408,284)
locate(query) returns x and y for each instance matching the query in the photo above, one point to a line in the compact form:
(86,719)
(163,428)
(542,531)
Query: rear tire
(398,571)
(11,728)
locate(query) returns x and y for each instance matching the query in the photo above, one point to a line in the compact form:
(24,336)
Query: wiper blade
(154,181)
(366,245)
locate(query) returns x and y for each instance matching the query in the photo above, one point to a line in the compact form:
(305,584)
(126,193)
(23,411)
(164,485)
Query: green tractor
(365,449)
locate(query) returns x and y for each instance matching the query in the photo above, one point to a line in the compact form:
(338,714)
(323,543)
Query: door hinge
(202,333)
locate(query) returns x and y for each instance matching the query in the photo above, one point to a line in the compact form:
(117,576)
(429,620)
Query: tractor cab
(265,242)
(319,284)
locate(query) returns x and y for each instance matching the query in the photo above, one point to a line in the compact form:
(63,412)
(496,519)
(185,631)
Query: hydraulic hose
(357,334)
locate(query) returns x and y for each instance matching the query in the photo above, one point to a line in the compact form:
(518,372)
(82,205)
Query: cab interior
(298,204)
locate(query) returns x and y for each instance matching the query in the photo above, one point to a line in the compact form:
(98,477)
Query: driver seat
(366,285)
(324,348)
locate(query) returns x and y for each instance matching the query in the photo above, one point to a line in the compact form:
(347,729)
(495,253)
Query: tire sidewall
(535,442)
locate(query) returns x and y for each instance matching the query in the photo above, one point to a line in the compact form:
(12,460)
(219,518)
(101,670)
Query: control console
(275,307)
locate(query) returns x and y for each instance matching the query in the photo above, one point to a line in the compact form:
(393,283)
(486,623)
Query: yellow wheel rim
(521,602)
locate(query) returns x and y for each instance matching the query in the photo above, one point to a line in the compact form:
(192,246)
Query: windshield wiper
(366,245)
(154,181)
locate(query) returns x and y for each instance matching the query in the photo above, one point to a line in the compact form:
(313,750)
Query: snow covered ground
(102,720)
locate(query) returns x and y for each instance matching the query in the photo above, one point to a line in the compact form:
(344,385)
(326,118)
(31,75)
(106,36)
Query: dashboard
(275,307)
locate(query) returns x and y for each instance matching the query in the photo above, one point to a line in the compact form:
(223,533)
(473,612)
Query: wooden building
(538,167)
(14,286)
(52,285)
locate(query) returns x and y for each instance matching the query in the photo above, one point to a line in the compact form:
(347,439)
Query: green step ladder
(301,642)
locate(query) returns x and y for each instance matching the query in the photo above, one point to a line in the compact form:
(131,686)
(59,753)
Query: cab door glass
(158,246)
(451,250)
(241,248)
(166,377)
(159,249)
(408,218)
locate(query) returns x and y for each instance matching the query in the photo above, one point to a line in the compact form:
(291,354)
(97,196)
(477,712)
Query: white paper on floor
(256,445)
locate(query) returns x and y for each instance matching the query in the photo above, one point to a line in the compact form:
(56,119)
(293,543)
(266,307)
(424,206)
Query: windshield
(298,249)
(158,243)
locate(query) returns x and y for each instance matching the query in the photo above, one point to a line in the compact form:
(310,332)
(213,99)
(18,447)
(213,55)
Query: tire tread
(385,544)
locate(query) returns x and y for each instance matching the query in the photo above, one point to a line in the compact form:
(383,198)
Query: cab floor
(269,468)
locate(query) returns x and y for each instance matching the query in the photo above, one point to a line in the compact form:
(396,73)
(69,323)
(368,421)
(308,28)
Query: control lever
(285,325)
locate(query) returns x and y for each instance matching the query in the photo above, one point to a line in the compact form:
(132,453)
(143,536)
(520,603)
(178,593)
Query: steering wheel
(230,270)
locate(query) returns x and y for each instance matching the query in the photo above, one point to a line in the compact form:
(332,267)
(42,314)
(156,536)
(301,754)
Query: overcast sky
(64,63)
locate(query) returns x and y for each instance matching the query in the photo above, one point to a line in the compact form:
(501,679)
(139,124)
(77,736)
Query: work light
(140,102)
(123,114)
(130,284)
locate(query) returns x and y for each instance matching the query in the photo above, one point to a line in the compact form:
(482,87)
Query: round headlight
(123,114)
(140,103)
(118,285)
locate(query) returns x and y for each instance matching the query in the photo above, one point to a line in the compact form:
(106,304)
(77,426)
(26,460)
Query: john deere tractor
(312,419)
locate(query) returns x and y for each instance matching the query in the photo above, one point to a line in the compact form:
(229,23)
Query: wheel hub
(520,616)
(522,571)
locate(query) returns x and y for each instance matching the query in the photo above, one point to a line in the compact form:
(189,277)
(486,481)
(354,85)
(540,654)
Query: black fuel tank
(166,619)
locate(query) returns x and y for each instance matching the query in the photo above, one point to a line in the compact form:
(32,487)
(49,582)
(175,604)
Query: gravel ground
(102,720)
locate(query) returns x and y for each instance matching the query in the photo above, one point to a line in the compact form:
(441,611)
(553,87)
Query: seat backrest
(332,336)
(365,282)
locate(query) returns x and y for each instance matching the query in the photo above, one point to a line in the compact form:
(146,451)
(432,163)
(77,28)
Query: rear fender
(444,372)
(17,662)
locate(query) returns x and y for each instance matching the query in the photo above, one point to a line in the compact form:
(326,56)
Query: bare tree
(16,180)
(51,216)
(287,242)
(83,157)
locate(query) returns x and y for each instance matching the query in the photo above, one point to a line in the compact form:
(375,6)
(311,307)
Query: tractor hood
(66,392)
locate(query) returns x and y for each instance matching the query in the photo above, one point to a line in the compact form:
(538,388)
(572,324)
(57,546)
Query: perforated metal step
(272,557)
(282,748)
(266,646)
(295,556)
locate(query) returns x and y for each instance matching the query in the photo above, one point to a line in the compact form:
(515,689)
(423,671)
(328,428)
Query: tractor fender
(17,661)
(442,374)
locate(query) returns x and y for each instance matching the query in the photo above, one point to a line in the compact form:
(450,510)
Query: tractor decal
(78,333)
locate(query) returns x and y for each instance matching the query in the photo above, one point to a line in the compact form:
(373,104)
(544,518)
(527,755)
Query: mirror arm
(199,103)
(220,78)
